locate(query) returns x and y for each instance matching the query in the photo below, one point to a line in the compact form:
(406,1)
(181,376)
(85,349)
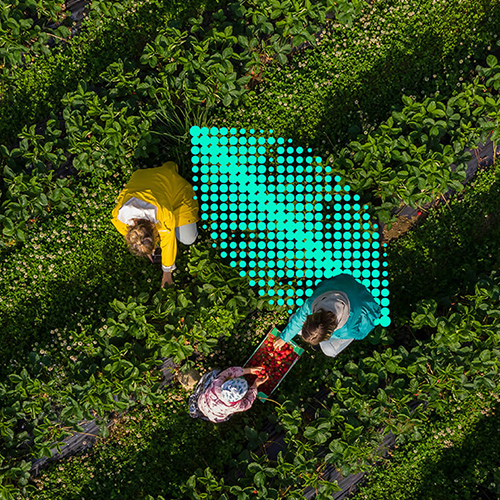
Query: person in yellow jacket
(157,204)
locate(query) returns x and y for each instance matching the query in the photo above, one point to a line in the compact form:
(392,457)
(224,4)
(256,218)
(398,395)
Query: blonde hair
(141,238)
(319,326)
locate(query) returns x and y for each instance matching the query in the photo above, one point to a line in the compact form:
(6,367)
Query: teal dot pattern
(281,217)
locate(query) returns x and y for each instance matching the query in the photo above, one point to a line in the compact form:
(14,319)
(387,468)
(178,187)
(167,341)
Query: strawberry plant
(27,28)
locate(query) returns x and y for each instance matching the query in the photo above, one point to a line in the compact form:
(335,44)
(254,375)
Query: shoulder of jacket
(171,165)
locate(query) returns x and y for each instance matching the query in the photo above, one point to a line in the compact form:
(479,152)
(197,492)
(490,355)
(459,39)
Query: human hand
(255,370)
(167,278)
(259,381)
(279,343)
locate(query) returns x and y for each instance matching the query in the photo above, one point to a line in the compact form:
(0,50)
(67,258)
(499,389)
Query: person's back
(344,305)
(157,203)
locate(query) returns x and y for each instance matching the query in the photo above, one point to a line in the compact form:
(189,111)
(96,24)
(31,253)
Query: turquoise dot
(385,321)
(366,283)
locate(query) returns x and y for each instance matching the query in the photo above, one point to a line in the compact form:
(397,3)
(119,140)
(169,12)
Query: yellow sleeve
(122,228)
(168,244)
(168,241)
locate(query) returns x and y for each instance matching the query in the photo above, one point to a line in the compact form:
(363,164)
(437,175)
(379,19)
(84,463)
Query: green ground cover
(457,243)
(55,297)
(458,458)
(86,140)
(350,377)
(369,389)
(111,31)
(352,76)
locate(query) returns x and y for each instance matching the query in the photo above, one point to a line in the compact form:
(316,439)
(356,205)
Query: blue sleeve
(296,322)
(366,320)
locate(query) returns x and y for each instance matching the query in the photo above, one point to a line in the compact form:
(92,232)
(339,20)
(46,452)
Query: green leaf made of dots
(279,215)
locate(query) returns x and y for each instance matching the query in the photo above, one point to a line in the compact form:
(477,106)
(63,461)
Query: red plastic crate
(265,390)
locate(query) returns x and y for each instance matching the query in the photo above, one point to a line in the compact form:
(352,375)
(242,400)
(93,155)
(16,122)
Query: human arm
(296,322)
(278,343)
(168,244)
(247,401)
(366,321)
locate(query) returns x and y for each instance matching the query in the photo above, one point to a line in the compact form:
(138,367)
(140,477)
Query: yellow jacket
(173,197)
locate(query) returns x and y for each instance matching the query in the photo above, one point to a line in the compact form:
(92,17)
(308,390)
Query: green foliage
(116,363)
(443,368)
(347,423)
(445,463)
(26,27)
(456,244)
(420,152)
(352,77)
(32,91)
(66,358)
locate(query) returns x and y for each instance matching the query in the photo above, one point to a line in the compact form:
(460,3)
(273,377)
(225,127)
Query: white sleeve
(334,346)
(169,268)
(137,209)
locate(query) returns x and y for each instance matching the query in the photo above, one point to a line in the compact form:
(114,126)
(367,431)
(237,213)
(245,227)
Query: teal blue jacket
(364,311)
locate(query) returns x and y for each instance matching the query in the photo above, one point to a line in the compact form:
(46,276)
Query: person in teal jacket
(339,311)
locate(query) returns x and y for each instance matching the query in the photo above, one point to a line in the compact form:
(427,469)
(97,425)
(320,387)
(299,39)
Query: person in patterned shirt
(221,394)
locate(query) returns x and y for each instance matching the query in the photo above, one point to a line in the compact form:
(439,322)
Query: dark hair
(319,326)
(141,238)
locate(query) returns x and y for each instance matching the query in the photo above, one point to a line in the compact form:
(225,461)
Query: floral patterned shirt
(212,406)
